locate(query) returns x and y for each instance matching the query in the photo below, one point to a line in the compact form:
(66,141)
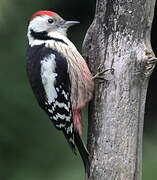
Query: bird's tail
(78,142)
(83,151)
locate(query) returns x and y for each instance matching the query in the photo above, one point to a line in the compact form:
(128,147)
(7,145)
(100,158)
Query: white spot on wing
(61,105)
(60,125)
(65,95)
(67,118)
(50,110)
(48,77)
(69,129)
(72,140)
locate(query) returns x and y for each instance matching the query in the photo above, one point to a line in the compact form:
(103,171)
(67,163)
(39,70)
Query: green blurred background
(30,147)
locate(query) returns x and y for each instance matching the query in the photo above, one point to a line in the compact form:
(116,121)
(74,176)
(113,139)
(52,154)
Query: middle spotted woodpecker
(59,76)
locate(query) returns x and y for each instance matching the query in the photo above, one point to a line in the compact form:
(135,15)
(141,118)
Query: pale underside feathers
(81,78)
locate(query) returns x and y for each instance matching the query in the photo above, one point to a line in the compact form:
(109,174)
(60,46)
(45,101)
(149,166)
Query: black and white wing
(48,75)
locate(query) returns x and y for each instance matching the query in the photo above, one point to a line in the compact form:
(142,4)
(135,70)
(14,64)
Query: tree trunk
(119,39)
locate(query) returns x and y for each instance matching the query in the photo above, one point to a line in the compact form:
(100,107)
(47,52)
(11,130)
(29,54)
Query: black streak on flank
(43,36)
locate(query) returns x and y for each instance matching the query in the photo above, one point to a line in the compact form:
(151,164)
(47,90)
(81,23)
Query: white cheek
(39,24)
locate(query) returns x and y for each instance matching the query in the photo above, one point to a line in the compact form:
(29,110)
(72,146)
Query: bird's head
(45,23)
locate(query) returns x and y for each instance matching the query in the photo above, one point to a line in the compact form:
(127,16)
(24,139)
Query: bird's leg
(100,74)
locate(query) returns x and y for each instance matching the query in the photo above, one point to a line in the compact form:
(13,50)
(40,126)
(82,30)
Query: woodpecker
(59,76)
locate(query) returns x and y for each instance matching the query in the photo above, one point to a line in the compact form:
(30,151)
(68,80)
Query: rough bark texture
(119,38)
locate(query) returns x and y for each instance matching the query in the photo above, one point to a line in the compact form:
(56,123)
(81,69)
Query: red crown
(40,13)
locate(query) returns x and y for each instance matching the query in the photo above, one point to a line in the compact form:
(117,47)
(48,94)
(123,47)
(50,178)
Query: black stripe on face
(44,36)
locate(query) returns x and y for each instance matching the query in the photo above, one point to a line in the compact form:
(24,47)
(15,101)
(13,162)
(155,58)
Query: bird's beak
(67,24)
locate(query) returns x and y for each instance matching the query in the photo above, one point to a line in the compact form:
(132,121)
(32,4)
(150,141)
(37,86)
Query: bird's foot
(152,60)
(100,75)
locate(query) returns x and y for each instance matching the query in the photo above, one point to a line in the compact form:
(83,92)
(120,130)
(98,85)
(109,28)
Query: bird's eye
(50,21)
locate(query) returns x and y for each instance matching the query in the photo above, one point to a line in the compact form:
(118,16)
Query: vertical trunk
(119,39)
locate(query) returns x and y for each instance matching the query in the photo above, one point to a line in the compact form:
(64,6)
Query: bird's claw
(152,60)
(100,74)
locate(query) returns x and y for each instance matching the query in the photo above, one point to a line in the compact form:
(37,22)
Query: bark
(119,39)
